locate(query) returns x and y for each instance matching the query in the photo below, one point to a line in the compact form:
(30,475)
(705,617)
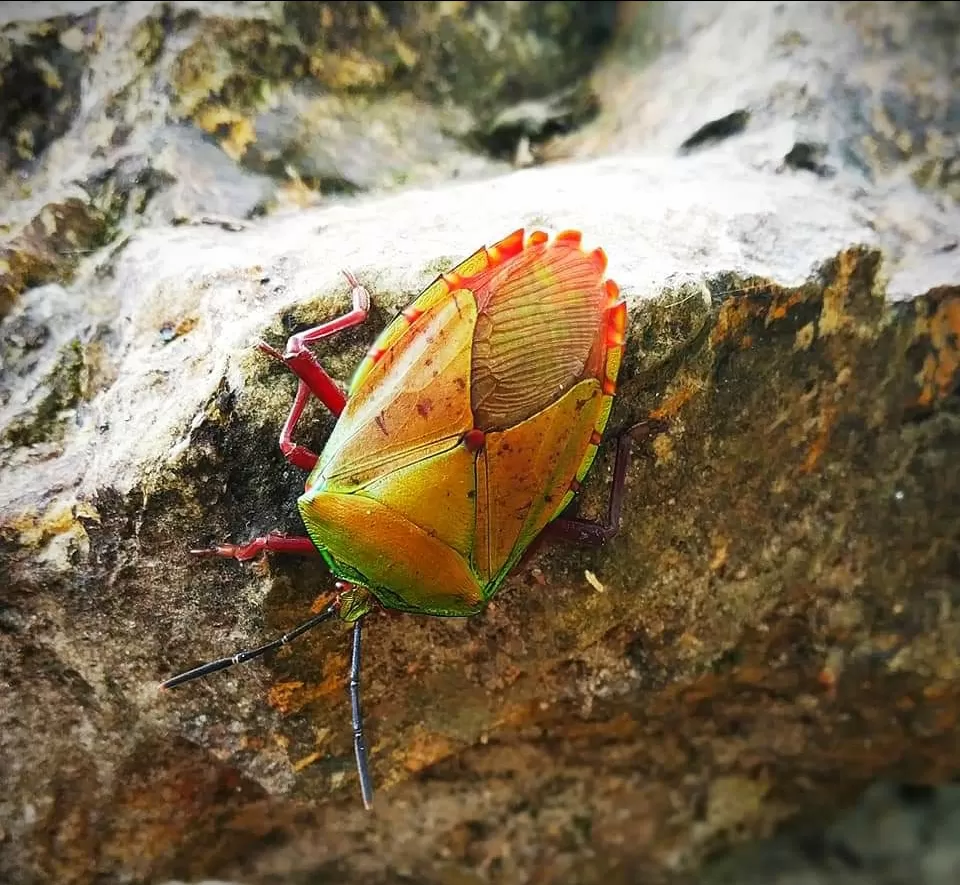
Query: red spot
(594,438)
(375,354)
(599,260)
(609,387)
(424,407)
(474,440)
(412,314)
(570,237)
(510,246)
(574,486)
(613,291)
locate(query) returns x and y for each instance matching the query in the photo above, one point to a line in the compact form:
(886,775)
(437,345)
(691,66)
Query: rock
(895,834)
(305,101)
(774,628)
(50,247)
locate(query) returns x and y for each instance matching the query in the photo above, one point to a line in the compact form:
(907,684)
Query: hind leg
(594,532)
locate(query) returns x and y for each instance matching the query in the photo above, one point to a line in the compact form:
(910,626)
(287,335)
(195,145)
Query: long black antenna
(359,745)
(249,654)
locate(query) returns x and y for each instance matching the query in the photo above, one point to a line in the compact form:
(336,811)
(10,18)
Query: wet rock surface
(775,627)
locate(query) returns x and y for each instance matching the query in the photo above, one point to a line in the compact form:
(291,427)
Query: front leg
(313,378)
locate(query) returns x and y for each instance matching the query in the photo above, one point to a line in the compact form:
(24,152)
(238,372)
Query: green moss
(483,58)
(232,63)
(148,39)
(65,389)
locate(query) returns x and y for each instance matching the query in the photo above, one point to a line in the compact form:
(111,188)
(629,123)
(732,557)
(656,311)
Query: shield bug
(465,433)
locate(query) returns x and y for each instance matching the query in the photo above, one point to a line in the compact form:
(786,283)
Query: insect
(465,433)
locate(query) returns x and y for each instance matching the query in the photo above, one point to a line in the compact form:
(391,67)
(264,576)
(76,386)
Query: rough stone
(775,627)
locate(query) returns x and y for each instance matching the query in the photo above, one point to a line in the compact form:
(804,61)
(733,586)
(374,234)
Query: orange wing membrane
(471,422)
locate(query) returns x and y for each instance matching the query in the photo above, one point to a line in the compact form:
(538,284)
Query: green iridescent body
(469,426)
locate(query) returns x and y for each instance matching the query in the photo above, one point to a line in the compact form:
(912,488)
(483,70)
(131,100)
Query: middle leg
(275,542)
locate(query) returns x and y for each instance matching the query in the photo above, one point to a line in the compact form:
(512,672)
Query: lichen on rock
(773,629)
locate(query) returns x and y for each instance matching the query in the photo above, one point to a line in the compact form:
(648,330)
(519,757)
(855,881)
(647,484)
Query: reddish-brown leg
(585,531)
(297,455)
(275,542)
(313,378)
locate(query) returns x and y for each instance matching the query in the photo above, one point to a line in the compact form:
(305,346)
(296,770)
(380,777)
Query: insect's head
(354,601)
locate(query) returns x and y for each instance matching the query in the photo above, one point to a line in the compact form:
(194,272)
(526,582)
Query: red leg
(597,532)
(275,542)
(313,378)
(299,456)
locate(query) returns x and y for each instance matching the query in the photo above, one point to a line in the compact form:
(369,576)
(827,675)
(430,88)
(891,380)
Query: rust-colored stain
(765,301)
(674,401)
(306,761)
(936,690)
(321,602)
(834,316)
(292,696)
(619,727)
(701,689)
(423,749)
(751,674)
(733,315)
(515,714)
(784,300)
(826,420)
(282,695)
(941,367)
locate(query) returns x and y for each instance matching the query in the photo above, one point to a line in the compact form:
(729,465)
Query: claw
(361,297)
(263,347)
(227,551)
(212,551)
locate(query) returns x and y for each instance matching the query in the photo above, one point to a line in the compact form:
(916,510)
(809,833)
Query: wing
(539,317)
(414,402)
(525,473)
(546,355)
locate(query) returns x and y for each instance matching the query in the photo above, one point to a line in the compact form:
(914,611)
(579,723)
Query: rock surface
(774,628)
